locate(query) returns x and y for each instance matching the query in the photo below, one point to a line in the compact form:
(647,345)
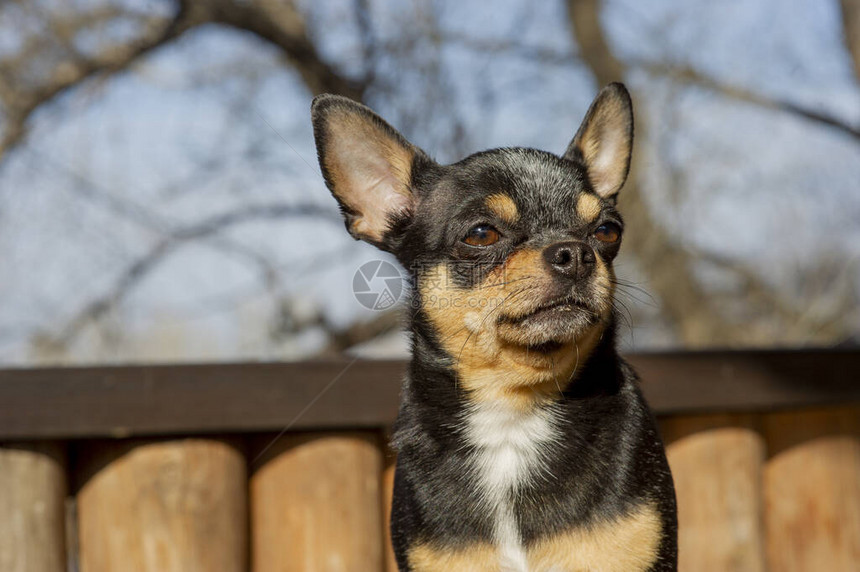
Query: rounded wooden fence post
(716,463)
(163,506)
(315,504)
(387,495)
(812,490)
(33,491)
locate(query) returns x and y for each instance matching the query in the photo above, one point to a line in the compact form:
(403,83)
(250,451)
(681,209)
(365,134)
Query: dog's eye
(608,232)
(482,235)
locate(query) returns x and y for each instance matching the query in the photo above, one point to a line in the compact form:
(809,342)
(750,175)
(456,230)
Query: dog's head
(511,249)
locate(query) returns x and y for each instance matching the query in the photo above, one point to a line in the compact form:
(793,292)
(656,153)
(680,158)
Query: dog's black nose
(573,259)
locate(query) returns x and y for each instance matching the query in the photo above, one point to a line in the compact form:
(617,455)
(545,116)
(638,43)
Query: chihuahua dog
(523,441)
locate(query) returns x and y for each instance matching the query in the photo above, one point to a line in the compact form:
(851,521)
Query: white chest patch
(511,444)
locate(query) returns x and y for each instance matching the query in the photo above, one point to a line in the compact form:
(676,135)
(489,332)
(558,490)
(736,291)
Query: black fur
(610,457)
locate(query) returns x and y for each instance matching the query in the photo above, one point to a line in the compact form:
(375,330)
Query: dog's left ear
(604,141)
(367,166)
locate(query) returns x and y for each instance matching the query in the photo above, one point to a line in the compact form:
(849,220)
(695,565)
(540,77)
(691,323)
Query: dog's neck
(437,383)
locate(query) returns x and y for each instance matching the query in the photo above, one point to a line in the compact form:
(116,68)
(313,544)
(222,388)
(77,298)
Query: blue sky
(215,123)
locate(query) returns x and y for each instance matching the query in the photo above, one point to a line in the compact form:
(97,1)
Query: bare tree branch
(584,16)
(688,75)
(668,266)
(144,265)
(21,104)
(279,23)
(851,31)
(595,53)
(283,25)
(696,315)
(538,54)
(341,339)
(294,318)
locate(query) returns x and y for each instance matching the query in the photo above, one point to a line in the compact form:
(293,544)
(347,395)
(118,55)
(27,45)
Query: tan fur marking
(365,165)
(629,544)
(475,558)
(588,207)
(503,207)
(491,361)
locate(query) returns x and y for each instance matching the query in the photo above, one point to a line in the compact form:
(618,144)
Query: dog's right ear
(367,165)
(604,141)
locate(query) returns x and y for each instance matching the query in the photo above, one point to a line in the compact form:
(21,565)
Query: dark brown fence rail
(280,467)
(169,399)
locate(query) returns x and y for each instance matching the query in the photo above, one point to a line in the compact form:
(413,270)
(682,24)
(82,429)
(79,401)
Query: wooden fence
(283,467)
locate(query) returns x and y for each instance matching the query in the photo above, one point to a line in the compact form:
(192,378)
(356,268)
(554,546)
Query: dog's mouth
(559,308)
(550,326)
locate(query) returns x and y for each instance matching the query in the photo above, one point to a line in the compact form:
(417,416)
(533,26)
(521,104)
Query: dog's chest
(511,445)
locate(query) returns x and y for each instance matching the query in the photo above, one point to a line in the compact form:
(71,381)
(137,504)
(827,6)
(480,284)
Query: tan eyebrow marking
(588,207)
(503,207)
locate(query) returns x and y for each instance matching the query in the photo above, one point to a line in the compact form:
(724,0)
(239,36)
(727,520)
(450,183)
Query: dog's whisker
(500,284)
(526,246)
(489,314)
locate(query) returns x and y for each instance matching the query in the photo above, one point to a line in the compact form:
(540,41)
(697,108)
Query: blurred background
(160,198)
(161,203)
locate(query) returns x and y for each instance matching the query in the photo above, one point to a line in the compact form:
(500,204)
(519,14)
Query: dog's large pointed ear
(604,141)
(367,165)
